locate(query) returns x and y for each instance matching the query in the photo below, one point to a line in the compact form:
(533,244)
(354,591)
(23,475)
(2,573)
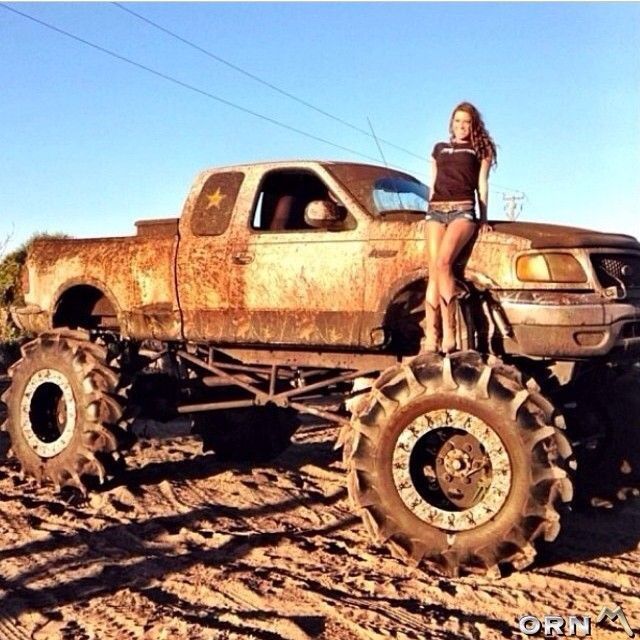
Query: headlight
(549,267)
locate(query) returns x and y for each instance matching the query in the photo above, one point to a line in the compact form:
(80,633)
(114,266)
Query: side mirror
(323,214)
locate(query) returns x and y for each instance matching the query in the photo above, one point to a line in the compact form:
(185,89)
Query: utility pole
(513,205)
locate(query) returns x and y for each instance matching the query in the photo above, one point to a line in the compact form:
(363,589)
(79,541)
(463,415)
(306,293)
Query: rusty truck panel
(135,274)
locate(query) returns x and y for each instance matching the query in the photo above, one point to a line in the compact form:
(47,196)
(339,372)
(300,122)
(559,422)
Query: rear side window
(215,203)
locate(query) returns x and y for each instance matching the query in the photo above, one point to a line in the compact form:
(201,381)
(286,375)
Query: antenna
(386,164)
(375,137)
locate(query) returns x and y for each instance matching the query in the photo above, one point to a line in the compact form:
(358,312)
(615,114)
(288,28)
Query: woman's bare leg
(435,233)
(456,236)
(458,233)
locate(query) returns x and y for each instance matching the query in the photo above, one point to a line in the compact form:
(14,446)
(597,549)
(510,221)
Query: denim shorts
(447,217)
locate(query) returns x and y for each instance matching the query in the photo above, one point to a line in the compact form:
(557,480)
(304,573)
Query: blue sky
(89,144)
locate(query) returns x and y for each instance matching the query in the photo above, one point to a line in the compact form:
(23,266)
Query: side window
(282,200)
(215,203)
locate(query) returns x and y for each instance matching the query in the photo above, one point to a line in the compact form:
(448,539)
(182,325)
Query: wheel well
(402,319)
(405,313)
(84,306)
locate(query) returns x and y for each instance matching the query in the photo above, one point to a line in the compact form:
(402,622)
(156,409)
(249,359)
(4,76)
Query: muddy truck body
(298,287)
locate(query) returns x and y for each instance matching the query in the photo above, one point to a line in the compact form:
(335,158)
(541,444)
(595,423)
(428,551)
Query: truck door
(291,283)
(202,261)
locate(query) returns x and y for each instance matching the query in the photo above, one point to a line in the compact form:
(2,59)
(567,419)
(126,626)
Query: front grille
(615,269)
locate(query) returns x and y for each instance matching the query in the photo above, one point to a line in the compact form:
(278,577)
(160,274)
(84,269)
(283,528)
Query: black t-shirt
(458,171)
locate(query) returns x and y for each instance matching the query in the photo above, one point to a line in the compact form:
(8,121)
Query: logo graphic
(450,150)
(555,625)
(215,199)
(616,614)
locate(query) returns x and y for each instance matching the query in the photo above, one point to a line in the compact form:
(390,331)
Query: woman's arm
(483,189)
(434,172)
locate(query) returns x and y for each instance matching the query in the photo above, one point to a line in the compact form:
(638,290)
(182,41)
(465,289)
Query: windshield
(379,190)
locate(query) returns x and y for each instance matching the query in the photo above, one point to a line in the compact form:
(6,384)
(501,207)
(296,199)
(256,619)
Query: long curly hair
(481,141)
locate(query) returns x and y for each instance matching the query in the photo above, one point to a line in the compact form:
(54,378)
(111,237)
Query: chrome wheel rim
(48,412)
(451,469)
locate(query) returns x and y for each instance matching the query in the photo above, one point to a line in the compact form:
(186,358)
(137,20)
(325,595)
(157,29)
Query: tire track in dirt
(367,601)
(10,630)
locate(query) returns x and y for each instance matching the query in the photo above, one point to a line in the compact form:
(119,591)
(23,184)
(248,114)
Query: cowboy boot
(432,329)
(449,323)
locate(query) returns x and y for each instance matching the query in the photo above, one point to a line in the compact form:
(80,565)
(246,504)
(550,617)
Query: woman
(459,169)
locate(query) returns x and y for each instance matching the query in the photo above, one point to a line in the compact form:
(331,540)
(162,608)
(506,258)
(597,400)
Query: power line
(185,85)
(370,134)
(262,81)
(209,95)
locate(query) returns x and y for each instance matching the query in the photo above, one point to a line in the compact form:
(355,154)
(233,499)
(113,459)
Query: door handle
(241,258)
(382,253)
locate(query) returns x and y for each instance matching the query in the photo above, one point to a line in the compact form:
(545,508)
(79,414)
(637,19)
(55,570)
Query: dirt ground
(182,546)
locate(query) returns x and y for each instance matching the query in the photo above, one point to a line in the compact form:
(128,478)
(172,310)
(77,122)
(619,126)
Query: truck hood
(548,236)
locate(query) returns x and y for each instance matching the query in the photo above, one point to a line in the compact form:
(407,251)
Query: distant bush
(10,291)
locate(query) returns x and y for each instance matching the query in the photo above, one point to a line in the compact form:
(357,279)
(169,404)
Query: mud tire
(522,421)
(64,368)
(252,435)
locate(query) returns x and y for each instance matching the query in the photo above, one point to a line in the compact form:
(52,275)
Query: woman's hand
(485,227)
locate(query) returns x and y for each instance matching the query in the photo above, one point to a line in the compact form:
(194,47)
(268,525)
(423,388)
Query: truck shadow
(319,453)
(590,534)
(136,555)
(139,554)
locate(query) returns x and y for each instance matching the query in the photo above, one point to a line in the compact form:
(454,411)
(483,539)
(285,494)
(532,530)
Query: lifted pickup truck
(296,286)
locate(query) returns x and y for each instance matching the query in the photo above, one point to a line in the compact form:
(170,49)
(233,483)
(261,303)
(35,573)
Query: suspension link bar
(260,396)
(283,399)
(327,415)
(212,406)
(272,381)
(325,383)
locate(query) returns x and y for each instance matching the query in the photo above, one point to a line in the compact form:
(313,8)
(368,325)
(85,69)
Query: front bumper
(571,330)
(31,318)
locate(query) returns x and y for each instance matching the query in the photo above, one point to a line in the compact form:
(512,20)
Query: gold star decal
(215,199)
